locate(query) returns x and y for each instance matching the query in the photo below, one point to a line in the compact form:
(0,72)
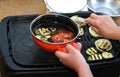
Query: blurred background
(25,7)
(21,7)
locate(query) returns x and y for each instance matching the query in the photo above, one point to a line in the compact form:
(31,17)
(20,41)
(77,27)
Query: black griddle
(19,51)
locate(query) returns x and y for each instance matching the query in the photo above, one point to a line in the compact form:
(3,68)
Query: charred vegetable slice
(81,32)
(95,57)
(107,55)
(78,20)
(91,51)
(93,33)
(103,45)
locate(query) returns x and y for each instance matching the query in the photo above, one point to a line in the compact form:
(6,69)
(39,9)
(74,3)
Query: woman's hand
(104,26)
(75,60)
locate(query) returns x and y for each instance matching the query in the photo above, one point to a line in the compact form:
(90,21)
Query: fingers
(95,29)
(78,46)
(92,20)
(70,48)
(94,16)
(60,54)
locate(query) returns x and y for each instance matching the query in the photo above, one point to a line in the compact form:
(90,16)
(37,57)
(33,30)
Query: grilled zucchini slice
(93,33)
(95,57)
(103,45)
(107,55)
(91,51)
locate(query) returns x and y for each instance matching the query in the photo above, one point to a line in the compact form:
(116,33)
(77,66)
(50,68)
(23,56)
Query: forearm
(84,71)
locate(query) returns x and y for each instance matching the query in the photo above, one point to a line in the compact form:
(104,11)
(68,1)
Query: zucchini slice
(91,51)
(103,45)
(107,55)
(95,57)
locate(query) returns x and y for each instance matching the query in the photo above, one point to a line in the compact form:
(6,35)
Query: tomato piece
(62,36)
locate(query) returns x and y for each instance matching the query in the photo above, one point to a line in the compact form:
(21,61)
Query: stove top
(19,50)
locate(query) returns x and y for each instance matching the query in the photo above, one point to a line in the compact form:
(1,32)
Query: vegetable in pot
(44,34)
(53,35)
(61,36)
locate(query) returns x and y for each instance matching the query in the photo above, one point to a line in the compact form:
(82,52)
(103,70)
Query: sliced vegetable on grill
(103,45)
(95,57)
(78,20)
(93,33)
(107,55)
(91,51)
(81,32)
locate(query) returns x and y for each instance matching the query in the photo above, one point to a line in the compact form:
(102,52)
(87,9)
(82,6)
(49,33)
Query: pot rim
(37,18)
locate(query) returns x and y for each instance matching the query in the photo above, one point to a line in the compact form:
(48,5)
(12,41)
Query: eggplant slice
(93,33)
(78,20)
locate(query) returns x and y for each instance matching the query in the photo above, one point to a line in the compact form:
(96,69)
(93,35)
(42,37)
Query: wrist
(117,34)
(84,71)
(113,33)
(82,66)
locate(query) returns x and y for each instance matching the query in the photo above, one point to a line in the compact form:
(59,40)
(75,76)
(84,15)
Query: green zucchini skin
(95,57)
(103,45)
(107,55)
(102,56)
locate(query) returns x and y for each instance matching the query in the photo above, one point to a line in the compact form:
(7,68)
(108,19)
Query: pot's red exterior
(51,47)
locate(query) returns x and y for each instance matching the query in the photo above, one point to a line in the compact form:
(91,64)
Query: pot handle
(63,49)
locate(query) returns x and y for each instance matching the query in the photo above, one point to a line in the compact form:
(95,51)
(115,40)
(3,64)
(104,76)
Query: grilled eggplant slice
(107,55)
(78,20)
(103,45)
(81,31)
(95,57)
(91,51)
(93,33)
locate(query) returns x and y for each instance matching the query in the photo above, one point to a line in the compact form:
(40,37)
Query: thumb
(60,54)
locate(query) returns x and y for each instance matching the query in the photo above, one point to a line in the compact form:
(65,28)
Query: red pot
(56,20)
